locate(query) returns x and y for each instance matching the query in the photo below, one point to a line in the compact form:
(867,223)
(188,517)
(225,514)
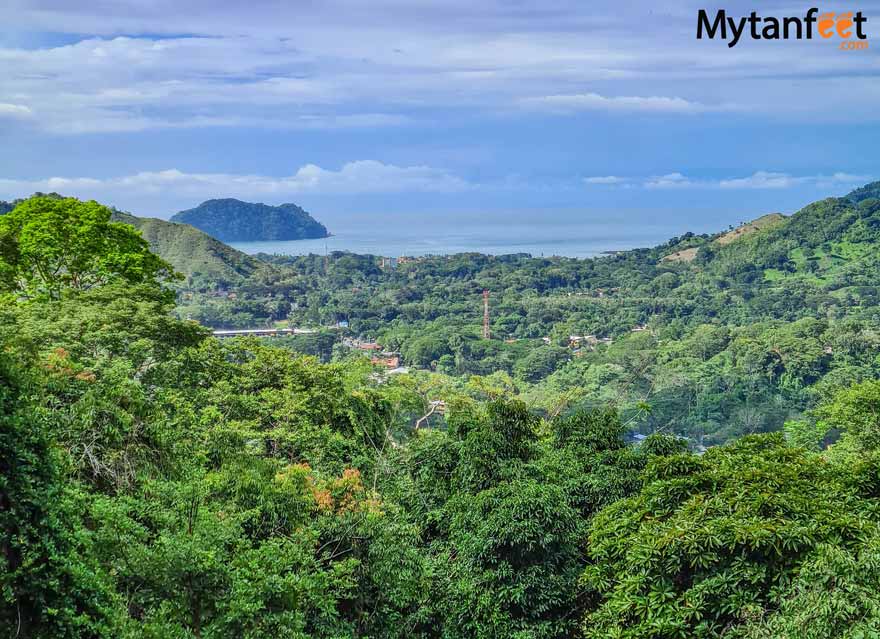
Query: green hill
(830,243)
(232,220)
(867,192)
(763,222)
(200,257)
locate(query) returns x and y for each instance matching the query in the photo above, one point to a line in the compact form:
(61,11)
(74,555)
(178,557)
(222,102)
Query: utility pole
(485,313)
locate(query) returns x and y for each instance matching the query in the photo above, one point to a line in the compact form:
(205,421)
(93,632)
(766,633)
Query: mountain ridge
(191,251)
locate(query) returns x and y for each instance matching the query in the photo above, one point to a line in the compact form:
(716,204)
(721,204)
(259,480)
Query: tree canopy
(49,244)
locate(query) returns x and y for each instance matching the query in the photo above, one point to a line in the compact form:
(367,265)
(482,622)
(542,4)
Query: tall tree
(48,244)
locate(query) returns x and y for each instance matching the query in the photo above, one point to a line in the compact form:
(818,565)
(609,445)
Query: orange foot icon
(844,24)
(826,25)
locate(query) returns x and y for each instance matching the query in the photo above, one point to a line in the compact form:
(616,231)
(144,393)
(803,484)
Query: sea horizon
(562,234)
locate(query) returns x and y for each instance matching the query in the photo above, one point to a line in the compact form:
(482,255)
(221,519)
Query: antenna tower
(485,313)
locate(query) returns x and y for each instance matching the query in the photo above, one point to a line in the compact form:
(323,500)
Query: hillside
(684,255)
(763,222)
(689,253)
(867,192)
(232,220)
(622,326)
(830,243)
(195,254)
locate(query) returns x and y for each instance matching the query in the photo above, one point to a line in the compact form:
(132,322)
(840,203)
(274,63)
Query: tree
(512,565)
(709,541)
(48,244)
(855,411)
(834,596)
(50,585)
(540,362)
(509,561)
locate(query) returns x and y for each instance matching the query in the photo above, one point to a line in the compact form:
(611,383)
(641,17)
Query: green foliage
(804,434)
(834,595)
(540,362)
(494,449)
(867,192)
(156,482)
(513,563)
(710,543)
(504,510)
(50,244)
(764,323)
(856,412)
(50,583)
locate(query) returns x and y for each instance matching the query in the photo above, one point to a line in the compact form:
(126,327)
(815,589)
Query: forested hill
(232,220)
(194,253)
(825,244)
(869,191)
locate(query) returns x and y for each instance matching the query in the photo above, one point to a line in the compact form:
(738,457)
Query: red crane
(485,313)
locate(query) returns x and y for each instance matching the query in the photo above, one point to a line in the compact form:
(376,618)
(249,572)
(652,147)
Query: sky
(423,107)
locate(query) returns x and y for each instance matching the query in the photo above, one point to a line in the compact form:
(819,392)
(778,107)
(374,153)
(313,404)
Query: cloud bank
(337,65)
(360,177)
(757,180)
(595,101)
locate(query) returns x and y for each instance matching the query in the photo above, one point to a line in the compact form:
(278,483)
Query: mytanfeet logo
(847,27)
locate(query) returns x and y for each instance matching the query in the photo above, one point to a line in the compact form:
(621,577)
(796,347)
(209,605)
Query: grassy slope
(688,254)
(191,251)
(684,255)
(763,222)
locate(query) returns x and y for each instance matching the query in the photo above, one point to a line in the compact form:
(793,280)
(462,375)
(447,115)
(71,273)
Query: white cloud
(762,180)
(669,181)
(595,101)
(109,121)
(846,178)
(346,68)
(340,62)
(362,176)
(604,179)
(14,110)
(757,180)
(771,180)
(366,176)
(127,84)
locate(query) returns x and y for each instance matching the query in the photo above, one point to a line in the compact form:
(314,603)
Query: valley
(742,329)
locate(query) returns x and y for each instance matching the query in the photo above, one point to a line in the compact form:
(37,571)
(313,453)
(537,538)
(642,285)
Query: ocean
(561,233)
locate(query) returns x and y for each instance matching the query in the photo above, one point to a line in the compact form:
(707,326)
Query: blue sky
(611,108)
